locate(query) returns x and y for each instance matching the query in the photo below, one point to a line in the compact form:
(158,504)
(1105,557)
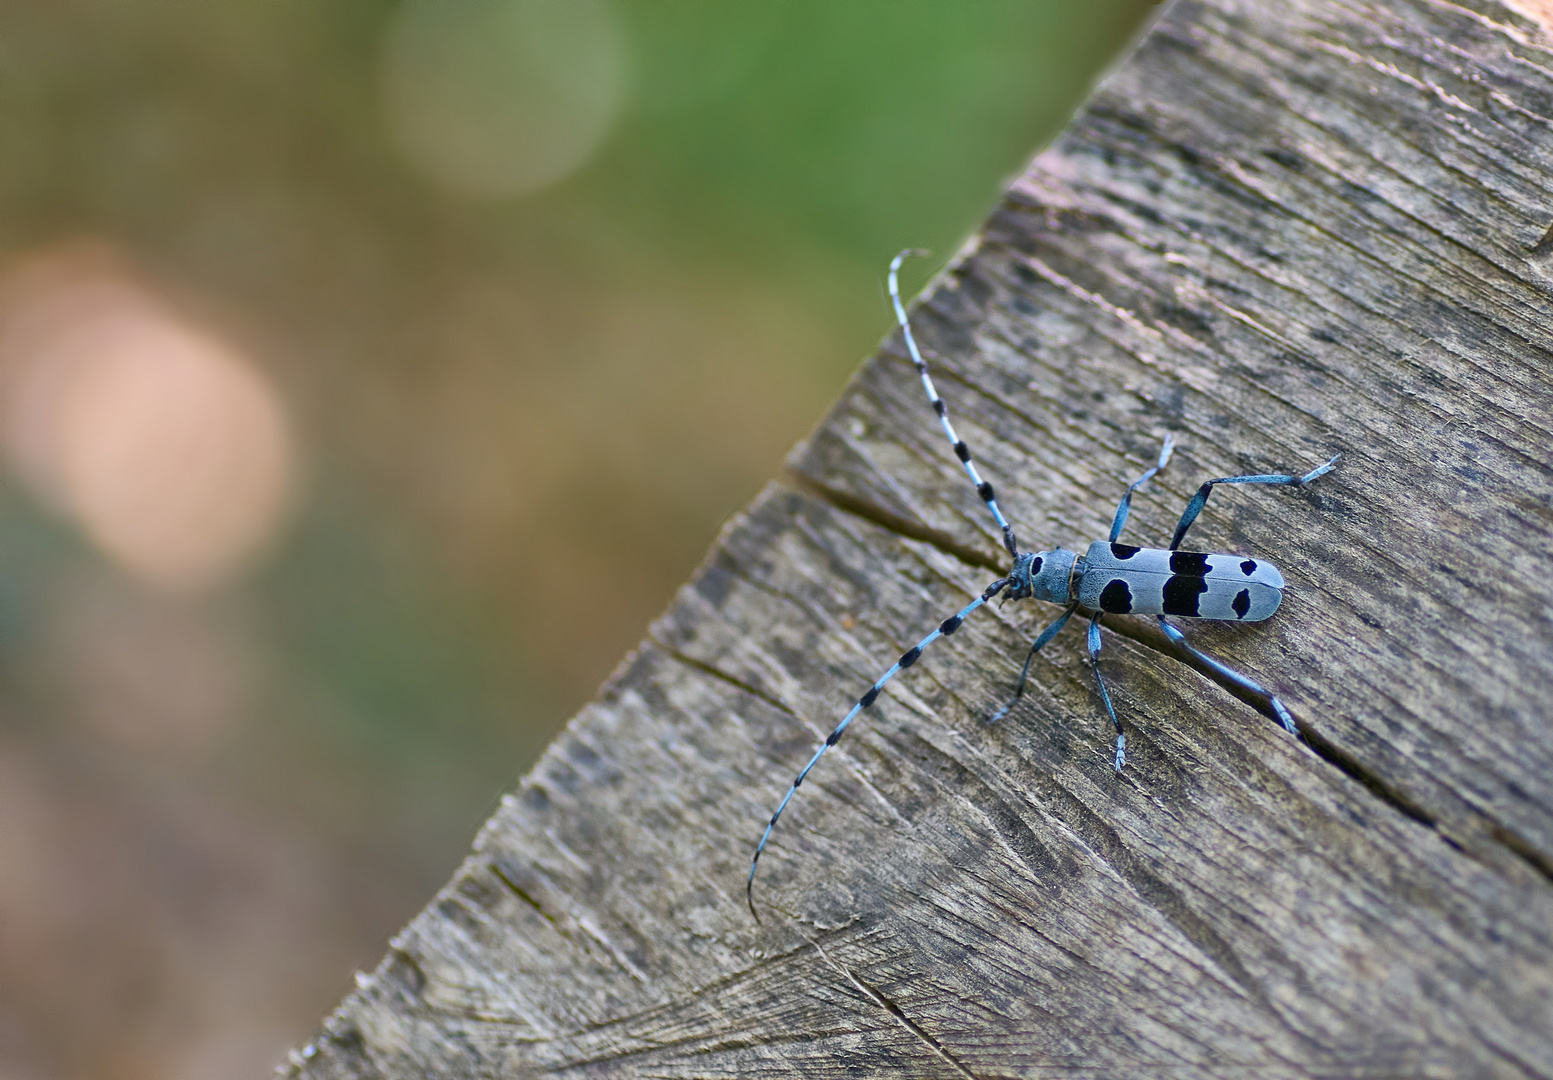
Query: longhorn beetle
(1109,577)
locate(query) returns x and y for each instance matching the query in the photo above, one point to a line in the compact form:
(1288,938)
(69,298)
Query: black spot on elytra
(1181,593)
(1123,551)
(1242,603)
(1116,597)
(1191,563)
(1248,567)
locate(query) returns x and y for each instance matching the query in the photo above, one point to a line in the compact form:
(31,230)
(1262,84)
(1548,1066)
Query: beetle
(1110,577)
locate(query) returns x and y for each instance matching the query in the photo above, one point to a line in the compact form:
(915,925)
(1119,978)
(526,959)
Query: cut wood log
(1277,232)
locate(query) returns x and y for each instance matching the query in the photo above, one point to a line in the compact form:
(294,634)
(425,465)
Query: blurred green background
(370,375)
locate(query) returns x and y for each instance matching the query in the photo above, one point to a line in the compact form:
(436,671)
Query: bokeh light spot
(500,98)
(169,449)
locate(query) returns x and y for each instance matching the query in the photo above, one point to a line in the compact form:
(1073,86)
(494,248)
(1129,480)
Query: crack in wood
(718,673)
(895,523)
(523,894)
(879,999)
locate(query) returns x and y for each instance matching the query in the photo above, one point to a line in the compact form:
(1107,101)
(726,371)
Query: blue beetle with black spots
(1110,577)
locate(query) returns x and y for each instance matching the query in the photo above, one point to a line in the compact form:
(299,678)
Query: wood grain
(1278,232)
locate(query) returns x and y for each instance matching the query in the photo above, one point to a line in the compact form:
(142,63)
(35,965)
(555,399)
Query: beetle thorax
(1044,575)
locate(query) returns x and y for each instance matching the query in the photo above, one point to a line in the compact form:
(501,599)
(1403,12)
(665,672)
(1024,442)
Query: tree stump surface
(1278,232)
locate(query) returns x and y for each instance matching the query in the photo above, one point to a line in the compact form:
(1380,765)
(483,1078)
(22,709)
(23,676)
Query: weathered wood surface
(1279,231)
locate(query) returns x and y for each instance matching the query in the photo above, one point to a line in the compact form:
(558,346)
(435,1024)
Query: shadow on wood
(1278,232)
